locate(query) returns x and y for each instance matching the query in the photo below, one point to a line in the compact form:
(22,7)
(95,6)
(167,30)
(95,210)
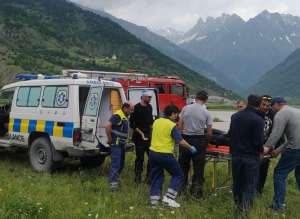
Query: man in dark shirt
(141,121)
(246,140)
(268,115)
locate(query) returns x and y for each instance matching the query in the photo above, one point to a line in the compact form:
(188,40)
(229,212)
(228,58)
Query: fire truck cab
(171,90)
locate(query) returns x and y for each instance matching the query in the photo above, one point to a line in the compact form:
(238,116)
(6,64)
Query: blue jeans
(117,164)
(289,161)
(159,163)
(245,173)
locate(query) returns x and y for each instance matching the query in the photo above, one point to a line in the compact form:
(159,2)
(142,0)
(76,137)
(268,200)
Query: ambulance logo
(93,102)
(61,98)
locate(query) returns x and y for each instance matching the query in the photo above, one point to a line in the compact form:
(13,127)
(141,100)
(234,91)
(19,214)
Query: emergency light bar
(35,76)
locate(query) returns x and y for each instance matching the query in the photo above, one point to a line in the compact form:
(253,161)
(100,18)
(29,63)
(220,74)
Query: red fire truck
(170,88)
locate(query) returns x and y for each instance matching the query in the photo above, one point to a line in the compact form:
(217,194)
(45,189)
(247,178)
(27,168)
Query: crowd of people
(262,128)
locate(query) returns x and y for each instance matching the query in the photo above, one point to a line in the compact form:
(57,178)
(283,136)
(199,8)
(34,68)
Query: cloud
(183,14)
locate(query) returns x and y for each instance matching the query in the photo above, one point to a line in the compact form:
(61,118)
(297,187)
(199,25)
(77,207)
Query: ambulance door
(90,117)
(134,96)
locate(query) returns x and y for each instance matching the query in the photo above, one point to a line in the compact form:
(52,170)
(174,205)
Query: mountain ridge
(48,36)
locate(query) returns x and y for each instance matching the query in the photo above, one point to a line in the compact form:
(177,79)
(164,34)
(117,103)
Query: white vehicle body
(57,109)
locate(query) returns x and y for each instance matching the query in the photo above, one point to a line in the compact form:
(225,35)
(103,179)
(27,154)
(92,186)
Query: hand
(275,153)
(109,141)
(193,149)
(266,150)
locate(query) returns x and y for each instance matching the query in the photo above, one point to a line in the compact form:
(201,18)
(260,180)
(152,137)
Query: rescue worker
(141,122)
(246,140)
(117,136)
(194,119)
(164,136)
(286,121)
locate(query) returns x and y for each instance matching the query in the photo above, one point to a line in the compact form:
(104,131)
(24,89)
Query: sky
(183,14)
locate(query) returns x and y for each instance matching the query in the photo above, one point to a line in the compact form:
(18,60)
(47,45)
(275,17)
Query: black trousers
(198,160)
(141,148)
(263,173)
(245,173)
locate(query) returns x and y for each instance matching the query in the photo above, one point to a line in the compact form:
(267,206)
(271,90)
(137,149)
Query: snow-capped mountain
(244,50)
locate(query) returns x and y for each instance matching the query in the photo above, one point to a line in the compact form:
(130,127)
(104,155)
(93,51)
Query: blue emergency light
(35,76)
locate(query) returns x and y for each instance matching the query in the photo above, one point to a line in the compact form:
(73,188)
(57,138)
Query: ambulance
(58,116)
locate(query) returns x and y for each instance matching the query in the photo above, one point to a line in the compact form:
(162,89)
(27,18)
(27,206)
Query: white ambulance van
(57,117)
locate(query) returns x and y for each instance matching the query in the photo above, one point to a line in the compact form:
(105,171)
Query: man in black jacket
(141,121)
(246,140)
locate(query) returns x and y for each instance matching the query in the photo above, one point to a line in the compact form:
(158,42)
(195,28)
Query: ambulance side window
(23,95)
(28,96)
(34,97)
(55,96)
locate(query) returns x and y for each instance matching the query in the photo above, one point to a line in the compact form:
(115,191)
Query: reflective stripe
(51,127)
(155,197)
(24,126)
(121,134)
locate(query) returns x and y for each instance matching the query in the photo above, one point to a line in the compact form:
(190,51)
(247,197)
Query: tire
(41,156)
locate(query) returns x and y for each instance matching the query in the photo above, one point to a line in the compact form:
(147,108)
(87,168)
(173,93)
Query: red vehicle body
(171,90)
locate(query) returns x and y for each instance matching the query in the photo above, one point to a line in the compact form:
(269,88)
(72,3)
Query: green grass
(215,106)
(74,192)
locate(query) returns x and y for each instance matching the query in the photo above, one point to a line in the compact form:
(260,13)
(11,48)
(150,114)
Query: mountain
(244,50)
(170,33)
(283,80)
(171,50)
(48,36)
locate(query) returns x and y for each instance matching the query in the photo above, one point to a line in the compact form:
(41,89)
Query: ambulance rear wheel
(41,156)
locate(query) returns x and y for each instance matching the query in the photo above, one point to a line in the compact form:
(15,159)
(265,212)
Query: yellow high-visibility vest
(162,140)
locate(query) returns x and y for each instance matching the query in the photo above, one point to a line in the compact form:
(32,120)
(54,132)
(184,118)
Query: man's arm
(179,140)
(258,135)
(209,123)
(108,129)
(114,120)
(277,130)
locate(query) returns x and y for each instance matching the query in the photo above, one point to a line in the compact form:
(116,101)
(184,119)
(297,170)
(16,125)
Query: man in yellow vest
(164,136)
(117,136)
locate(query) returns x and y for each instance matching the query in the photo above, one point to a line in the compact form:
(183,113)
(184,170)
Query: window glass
(92,104)
(23,94)
(34,97)
(160,88)
(62,96)
(6,97)
(49,96)
(177,89)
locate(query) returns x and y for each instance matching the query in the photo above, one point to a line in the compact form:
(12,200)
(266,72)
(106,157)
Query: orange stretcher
(218,154)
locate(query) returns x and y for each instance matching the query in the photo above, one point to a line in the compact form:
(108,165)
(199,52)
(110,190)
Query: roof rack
(104,74)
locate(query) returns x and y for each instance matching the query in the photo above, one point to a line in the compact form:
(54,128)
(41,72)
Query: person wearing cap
(117,136)
(194,119)
(286,121)
(164,136)
(141,121)
(246,141)
(267,114)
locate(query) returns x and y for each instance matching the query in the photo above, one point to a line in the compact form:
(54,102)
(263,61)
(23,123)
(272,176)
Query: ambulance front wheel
(40,155)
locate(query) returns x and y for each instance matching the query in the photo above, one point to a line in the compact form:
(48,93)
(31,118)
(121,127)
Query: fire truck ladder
(104,74)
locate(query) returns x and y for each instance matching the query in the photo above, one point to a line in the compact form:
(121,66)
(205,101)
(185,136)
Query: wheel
(41,156)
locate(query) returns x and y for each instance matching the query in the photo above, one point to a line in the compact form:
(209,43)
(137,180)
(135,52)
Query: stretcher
(216,155)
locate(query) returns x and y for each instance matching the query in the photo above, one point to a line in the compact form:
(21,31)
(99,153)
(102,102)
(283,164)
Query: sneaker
(170,202)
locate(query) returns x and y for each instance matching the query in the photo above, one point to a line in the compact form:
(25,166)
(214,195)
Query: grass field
(75,192)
